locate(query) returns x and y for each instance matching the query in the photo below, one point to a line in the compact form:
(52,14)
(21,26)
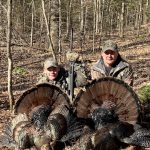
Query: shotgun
(71,81)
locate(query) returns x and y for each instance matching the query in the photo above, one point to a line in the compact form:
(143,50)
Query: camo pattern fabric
(80,74)
(121,71)
(61,80)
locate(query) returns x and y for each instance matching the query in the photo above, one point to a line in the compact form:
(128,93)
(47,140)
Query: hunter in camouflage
(54,74)
(111,64)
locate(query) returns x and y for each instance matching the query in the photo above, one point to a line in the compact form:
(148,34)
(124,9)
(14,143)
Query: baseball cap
(109,45)
(50,62)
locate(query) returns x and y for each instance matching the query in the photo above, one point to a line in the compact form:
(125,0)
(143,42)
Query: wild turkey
(110,104)
(109,93)
(42,115)
(103,103)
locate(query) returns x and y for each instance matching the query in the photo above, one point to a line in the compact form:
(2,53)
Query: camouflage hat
(109,45)
(50,62)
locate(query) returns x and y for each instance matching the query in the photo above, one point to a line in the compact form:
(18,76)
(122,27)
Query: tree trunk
(32,24)
(126,18)
(24,18)
(59,39)
(94,17)
(10,63)
(82,22)
(69,22)
(51,47)
(136,17)
(111,23)
(49,14)
(98,15)
(145,16)
(102,16)
(122,20)
(107,19)
(54,28)
(139,16)
(1,17)
(41,28)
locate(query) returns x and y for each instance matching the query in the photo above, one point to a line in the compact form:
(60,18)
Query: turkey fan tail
(41,94)
(109,93)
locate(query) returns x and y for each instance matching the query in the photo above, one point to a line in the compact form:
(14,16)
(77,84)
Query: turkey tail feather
(109,93)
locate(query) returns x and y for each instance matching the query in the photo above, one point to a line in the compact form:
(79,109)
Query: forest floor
(28,65)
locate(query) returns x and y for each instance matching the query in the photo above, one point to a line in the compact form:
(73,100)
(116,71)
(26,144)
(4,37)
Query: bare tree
(54,27)
(10,63)
(94,21)
(32,24)
(82,22)
(140,9)
(51,47)
(69,10)
(41,27)
(102,3)
(59,40)
(97,15)
(146,11)
(122,19)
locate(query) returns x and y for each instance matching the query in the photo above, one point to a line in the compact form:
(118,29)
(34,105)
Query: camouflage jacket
(60,81)
(80,76)
(122,70)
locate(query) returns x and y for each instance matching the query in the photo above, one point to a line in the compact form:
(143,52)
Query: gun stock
(71,81)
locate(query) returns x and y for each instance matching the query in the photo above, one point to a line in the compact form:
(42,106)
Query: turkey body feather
(46,115)
(140,137)
(48,120)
